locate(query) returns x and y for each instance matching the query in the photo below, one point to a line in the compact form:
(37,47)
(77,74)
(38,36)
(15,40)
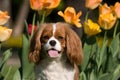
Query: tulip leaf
(115,45)
(86,51)
(5,57)
(101,54)
(26,66)
(105,76)
(116,73)
(17,75)
(83,76)
(93,76)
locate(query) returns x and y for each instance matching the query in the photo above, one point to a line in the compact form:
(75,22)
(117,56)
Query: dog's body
(57,50)
(56,69)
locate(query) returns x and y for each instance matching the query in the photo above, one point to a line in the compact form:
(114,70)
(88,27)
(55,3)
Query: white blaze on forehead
(57,45)
(54,28)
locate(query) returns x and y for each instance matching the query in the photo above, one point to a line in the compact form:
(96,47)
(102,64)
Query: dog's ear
(74,46)
(35,45)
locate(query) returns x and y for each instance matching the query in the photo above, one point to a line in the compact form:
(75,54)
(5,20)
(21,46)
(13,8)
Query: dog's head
(54,40)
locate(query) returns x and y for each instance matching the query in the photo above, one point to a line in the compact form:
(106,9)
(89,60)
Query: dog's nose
(52,42)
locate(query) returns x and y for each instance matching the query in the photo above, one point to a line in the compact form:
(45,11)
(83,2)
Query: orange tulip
(3,17)
(4,33)
(44,4)
(91,28)
(107,21)
(92,4)
(116,9)
(103,9)
(70,16)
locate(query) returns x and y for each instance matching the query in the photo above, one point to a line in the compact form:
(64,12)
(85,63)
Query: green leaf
(86,51)
(33,25)
(93,75)
(82,76)
(26,67)
(17,75)
(5,57)
(105,76)
(115,45)
(7,76)
(101,54)
(116,73)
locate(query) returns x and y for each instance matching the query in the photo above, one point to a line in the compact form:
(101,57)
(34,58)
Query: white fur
(55,69)
(54,28)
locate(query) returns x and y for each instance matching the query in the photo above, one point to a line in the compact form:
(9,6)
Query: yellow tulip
(92,4)
(91,28)
(70,16)
(103,9)
(44,4)
(3,17)
(107,21)
(4,33)
(116,9)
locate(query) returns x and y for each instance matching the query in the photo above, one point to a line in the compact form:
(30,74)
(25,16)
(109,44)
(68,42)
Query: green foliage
(5,57)
(26,66)
(101,62)
(5,70)
(25,71)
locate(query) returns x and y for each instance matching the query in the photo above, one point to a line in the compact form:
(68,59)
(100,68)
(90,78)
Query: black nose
(52,42)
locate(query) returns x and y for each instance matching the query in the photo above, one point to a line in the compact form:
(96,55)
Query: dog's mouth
(53,53)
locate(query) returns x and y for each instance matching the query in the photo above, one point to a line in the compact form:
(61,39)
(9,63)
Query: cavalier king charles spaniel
(57,50)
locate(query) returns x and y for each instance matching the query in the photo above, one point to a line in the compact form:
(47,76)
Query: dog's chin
(53,53)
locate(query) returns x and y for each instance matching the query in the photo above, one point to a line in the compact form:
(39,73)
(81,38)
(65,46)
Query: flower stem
(33,25)
(0,46)
(87,14)
(105,36)
(115,29)
(43,17)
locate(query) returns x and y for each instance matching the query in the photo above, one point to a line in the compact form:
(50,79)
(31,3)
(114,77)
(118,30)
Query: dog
(57,50)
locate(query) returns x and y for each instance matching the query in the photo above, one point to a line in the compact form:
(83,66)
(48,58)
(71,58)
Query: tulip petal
(92,4)
(70,16)
(4,33)
(116,9)
(60,13)
(3,17)
(107,21)
(91,28)
(53,3)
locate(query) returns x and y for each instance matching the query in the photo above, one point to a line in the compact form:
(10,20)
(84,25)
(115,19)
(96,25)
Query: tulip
(107,21)
(30,29)
(91,28)
(70,16)
(103,9)
(92,4)
(4,33)
(44,4)
(3,17)
(116,9)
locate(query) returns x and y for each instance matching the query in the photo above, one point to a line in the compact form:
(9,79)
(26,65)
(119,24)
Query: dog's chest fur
(54,70)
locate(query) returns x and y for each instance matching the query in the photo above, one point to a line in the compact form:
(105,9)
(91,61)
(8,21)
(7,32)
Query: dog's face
(56,39)
(53,40)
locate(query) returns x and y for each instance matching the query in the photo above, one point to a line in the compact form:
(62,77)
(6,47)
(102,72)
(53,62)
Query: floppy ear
(74,47)
(35,45)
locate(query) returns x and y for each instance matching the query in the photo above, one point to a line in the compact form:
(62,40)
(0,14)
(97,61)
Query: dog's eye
(60,37)
(46,37)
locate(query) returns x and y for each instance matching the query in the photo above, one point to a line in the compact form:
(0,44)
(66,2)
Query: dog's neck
(55,69)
